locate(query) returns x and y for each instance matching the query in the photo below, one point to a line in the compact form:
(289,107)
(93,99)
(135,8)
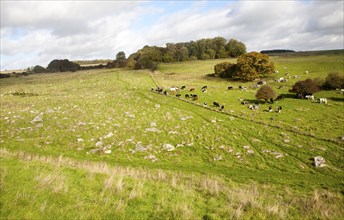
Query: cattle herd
(190,95)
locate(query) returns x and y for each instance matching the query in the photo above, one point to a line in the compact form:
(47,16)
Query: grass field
(101,144)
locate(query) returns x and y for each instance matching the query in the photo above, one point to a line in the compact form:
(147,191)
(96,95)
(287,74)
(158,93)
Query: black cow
(195,97)
(279,98)
(183,87)
(216,104)
(204,87)
(187,96)
(222,107)
(230,87)
(178,95)
(279,109)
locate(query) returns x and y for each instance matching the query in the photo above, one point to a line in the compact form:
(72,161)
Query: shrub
(266,93)
(305,87)
(334,81)
(63,66)
(39,69)
(224,69)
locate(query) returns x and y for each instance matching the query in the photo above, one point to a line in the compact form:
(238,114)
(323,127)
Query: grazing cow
(204,87)
(254,107)
(183,87)
(174,89)
(342,91)
(271,100)
(230,87)
(205,104)
(165,92)
(279,109)
(244,103)
(152,89)
(261,83)
(222,107)
(270,108)
(216,104)
(195,97)
(187,96)
(204,90)
(242,88)
(178,95)
(279,98)
(309,97)
(192,89)
(322,100)
(159,90)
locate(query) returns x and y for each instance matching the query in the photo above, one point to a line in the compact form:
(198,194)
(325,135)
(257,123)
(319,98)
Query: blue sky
(36,32)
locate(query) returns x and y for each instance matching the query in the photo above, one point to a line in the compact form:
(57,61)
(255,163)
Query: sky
(36,32)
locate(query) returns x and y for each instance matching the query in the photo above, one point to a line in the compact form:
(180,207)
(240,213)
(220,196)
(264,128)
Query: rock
(37,119)
(108,135)
(99,144)
(152,129)
(153,124)
(250,151)
(219,157)
(82,123)
(319,161)
(213,121)
(168,147)
(107,151)
(286,141)
(93,151)
(151,157)
(139,147)
(246,147)
(80,140)
(157,106)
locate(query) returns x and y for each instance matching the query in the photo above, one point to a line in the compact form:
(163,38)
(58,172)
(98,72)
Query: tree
(266,93)
(62,66)
(334,81)
(252,66)
(39,69)
(120,56)
(305,87)
(224,69)
(235,48)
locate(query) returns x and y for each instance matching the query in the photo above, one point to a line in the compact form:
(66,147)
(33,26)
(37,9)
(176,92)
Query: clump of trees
(305,87)
(249,67)
(62,66)
(39,69)
(120,62)
(266,93)
(211,48)
(334,81)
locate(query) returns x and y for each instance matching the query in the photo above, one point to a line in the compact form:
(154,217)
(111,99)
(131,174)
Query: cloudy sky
(36,32)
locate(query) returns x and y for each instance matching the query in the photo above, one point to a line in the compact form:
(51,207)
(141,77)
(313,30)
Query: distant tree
(39,69)
(266,93)
(252,66)
(62,66)
(305,87)
(182,53)
(120,56)
(235,48)
(334,81)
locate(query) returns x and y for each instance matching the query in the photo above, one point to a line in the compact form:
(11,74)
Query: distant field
(101,140)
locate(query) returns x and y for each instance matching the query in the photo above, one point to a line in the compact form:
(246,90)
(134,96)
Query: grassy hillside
(103,139)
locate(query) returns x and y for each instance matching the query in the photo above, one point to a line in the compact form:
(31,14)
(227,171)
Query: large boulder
(63,66)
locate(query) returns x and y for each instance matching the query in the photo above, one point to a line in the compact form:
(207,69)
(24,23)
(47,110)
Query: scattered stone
(179,145)
(278,156)
(79,149)
(151,157)
(82,123)
(49,110)
(153,124)
(140,148)
(190,144)
(319,161)
(37,119)
(108,135)
(152,130)
(157,106)
(286,141)
(219,157)
(80,140)
(107,151)
(168,147)
(93,151)
(250,151)
(246,147)
(222,147)
(99,144)
(172,132)
(213,121)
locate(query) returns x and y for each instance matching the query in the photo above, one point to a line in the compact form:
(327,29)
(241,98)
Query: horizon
(34,33)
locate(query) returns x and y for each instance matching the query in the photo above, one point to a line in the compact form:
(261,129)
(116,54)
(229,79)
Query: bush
(266,93)
(334,81)
(224,69)
(39,69)
(63,66)
(305,87)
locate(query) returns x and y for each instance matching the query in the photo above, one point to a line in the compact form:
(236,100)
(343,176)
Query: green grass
(117,110)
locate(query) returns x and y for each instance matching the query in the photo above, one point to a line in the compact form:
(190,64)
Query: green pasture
(112,117)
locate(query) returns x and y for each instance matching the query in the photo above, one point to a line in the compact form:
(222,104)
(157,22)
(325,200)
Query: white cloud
(36,32)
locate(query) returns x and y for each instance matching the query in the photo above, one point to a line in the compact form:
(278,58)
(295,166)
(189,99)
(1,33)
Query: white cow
(309,97)
(322,100)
